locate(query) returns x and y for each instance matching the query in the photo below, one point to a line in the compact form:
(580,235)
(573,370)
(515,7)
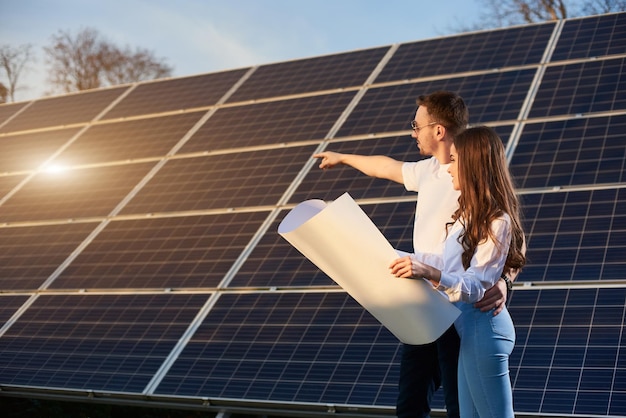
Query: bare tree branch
(87,61)
(13,61)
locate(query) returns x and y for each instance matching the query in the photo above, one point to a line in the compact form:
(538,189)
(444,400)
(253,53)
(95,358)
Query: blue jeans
(486,343)
(422,369)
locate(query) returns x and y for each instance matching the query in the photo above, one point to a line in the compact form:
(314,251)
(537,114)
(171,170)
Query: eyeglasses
(417,128)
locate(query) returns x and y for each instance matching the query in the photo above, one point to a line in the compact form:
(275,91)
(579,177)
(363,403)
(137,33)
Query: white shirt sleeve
(485,267)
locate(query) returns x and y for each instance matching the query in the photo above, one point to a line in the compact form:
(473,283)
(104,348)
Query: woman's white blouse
(485,267)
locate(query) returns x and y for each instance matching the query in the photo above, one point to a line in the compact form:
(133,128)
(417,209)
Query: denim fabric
(486,343)
(423,369)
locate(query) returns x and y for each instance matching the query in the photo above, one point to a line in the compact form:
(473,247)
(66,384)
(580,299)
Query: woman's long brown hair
(486,193)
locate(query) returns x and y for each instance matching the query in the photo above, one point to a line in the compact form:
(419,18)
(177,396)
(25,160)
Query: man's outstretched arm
(379,166)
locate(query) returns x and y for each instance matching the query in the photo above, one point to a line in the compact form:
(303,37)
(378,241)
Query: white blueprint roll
(343,242)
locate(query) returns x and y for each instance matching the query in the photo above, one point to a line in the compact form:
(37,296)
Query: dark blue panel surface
(484,50)
(566,355)
(269,123)
(594,86)
(300,347)
(179,252)
(581,151)
(9,304)
(30,254)
(253,178)
(176,94)
(575,236)
(591,37)
(308,75)
(63,110)
(94,342)
(128,140)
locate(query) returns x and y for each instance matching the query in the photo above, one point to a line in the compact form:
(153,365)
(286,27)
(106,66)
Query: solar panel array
(139,254)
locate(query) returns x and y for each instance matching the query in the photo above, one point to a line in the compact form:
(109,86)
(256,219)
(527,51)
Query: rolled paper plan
(343,242)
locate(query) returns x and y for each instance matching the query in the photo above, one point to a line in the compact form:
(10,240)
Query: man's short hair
(446,108)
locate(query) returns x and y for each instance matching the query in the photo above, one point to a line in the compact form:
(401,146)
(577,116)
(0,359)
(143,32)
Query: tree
(13,61)
(596,7)
(502,13)
(87,61)
(4,93)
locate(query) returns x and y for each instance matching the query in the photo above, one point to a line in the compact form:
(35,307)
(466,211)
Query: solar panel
(101,342)
(576,235)
(9,305)
(330,72)
(9,110)
(73,193)
(25,152)
(175,94)
(72,109)
(591,37)
(143,262)
(267,123)
(568,341)
(30,254)
(596,86)
(294,347)
(259,178)
(128,140)
(7,183)
(177,252)
(571,152)
(471,52)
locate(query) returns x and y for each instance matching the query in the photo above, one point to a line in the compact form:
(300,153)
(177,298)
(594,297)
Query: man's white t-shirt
(436,202)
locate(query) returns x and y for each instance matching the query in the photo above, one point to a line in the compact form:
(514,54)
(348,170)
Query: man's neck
(443,154)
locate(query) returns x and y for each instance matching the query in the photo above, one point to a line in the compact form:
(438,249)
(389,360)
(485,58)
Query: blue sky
(200,36)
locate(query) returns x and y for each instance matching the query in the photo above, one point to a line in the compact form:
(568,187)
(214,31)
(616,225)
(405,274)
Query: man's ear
(440,131)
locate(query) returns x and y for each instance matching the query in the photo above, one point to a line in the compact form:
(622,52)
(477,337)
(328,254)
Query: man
(439,117)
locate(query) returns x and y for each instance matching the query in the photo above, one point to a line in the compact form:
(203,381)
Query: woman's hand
(409,268)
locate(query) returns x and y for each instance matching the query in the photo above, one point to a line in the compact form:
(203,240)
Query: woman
(484,239)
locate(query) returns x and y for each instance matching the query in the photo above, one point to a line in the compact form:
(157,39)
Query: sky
(204,36)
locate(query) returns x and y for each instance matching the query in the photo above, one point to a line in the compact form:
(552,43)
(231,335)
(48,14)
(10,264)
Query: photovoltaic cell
(95,342)
(582,151)
(254,178)
(311,347)
(9,109)
(523,45)
(128,140)
(591,37)
(178,252)
(564,361)
(8,183)
(308,75)
(70,194)
(25,152)
(63,110)
(9,304)
(269,123)
(176,94)
(30,254)
(490,97)
(594,86)
(575,236)
(275,263)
